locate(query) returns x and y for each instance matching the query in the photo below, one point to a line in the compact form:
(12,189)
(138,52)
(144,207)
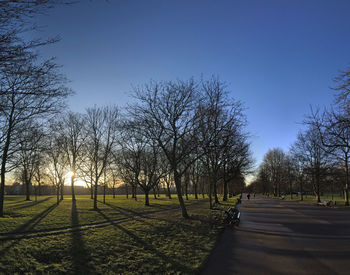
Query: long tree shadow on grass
(81,260)
(195,229)
(26,227)
(29,225)
(26,204)
(174,264)
(129,212)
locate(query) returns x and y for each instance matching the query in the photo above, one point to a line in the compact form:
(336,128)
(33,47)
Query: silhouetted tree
(221,129)
(101,128)
(28,153)
(28,91)
(57,162)
(141,156)
(71,128)
(343,88)
(167,113)
(334,131)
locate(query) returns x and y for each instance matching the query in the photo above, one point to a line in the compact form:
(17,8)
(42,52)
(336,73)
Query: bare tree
(343,88)
(28,153)
(334,131)
(141,156)
(71,128)
(273,165)
(101,129)
(314,155)
(112,171)
(169,182)
(31,91)
(16,18)
(221,122)
(57,163)
(237,162)
(167,112)
(299,162)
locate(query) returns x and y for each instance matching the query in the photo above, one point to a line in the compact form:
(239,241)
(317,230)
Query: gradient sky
(278,57)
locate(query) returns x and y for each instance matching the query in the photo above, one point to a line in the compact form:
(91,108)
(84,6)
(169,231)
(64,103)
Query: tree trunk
(72,185)
(318,184)
(134,190)
(126,190)
(177,179)
(196,190)
(154,192)
(39,188)
(146,198)
(215,189)
(168,189)
(346,181)
(3,162)
(113,192)
(187,179)
(301,190)
(35,193)
(58,194)
(92,191)
(2,188)
(27,182)
(210,195)
(202,189)
(225,191)
(215,193)
(95,195)
(104,194)
(62,190)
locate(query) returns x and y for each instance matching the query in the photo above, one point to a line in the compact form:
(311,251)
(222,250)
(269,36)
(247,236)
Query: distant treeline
(319,158)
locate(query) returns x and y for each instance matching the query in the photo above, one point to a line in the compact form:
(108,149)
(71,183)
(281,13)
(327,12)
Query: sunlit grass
(337,200)
(22,215)
(156,243)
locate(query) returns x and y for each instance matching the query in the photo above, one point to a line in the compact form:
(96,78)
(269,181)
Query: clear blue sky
(278,57)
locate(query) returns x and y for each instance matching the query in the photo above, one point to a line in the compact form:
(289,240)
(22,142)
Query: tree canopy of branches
(29,88)
(101,129)
(167,113)
(188,120)
(221,136)
(142,157)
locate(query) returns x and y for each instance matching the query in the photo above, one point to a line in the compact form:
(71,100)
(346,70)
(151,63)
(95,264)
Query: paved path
(281,237)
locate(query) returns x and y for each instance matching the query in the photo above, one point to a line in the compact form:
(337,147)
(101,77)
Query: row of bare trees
(184,133)
(189,133)
(319,158)
(189,130)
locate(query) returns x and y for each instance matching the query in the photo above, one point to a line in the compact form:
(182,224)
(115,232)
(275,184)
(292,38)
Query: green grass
(337,200)
(158,243)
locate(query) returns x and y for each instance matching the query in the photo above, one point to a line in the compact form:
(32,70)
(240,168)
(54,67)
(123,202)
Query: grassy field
(122,237)
(337,200)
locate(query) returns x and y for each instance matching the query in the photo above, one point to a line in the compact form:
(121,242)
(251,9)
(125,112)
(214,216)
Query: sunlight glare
(69,174)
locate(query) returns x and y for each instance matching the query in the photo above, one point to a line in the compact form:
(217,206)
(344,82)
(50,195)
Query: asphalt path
(284,237)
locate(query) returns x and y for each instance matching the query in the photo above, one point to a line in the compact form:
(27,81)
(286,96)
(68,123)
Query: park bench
(324,203)
(233,216)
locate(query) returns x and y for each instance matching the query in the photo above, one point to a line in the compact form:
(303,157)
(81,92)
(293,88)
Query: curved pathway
(284,237)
